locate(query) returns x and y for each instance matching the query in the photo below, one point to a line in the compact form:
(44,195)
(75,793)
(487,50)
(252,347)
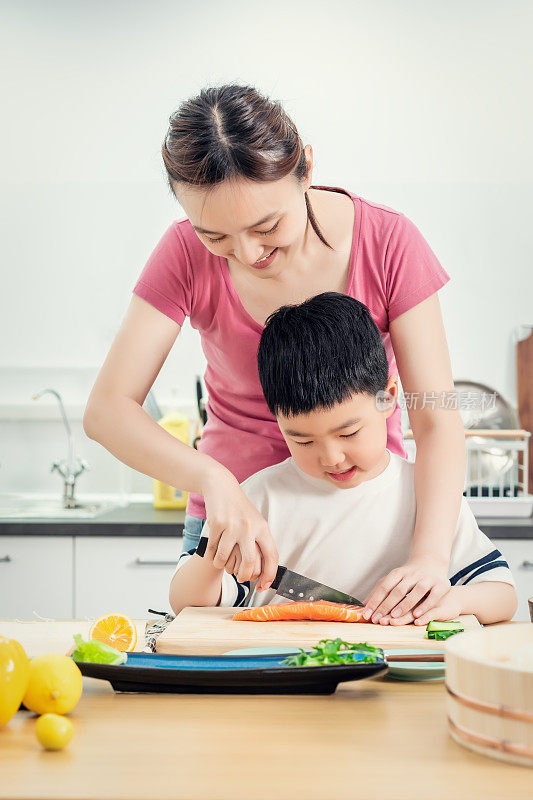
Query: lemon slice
(117,630)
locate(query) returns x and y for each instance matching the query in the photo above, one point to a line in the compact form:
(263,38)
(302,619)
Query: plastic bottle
(165,496)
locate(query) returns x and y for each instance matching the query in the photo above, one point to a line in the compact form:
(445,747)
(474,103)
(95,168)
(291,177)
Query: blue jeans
(191,532)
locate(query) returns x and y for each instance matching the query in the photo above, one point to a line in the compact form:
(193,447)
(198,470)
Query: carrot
(319,610)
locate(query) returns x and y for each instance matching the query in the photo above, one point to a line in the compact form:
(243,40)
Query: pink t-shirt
(392,269)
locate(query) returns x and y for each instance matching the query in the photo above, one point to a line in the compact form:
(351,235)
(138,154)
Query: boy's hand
(416,587)
(234,562)
(448,608)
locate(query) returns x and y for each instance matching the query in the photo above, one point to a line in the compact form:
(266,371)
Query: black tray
(154,672)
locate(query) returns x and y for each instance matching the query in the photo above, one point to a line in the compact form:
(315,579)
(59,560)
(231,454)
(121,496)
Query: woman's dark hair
(319,353)
(230,132)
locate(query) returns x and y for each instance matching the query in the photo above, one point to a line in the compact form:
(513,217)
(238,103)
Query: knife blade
(294,586)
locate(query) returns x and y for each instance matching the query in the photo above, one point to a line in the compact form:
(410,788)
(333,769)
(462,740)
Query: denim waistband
(193,525)
(191,533)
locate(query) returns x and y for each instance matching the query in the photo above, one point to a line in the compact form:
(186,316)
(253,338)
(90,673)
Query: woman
(257,236)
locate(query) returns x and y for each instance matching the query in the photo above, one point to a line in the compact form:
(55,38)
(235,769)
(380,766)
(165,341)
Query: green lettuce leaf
(97,652)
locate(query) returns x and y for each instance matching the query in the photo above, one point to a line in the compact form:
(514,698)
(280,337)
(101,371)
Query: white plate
(415,670)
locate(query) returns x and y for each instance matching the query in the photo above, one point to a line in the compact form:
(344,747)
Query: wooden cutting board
(211,631)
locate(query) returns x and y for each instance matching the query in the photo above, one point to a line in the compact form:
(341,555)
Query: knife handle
(277,580)
(202,546)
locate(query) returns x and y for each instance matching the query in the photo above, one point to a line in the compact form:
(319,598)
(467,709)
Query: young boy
(342,509)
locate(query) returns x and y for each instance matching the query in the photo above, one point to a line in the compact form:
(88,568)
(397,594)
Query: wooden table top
(373,739)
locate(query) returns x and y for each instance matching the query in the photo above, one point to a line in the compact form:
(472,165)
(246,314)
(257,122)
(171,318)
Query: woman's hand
(416,587)
(239,538)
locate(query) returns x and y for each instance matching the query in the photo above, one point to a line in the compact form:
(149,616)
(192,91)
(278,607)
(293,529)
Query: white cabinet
(519,555)
(65,577)
(126,574)
(36,574)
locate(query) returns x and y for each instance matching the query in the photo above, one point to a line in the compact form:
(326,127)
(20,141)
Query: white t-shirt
(350,538)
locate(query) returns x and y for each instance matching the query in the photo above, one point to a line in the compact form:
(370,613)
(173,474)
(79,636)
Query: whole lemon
(53,731)
(55,684)
(14,675)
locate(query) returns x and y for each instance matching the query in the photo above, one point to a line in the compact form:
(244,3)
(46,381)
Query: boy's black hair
(319,353)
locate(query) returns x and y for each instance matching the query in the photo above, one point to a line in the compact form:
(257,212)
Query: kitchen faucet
(72,467)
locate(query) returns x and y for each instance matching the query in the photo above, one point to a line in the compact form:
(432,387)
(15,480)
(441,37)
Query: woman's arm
(114,417)
(423,360)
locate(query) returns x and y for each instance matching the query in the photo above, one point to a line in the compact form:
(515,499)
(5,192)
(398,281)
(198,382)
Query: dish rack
(496,475)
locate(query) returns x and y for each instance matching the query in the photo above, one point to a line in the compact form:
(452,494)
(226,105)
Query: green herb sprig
(335,651)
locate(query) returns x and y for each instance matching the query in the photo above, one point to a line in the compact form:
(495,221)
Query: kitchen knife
(298,587)
(202,413)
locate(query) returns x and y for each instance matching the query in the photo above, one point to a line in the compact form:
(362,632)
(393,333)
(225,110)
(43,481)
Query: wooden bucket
(490,694)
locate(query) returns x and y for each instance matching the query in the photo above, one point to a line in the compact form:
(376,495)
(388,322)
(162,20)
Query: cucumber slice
(442,635)
(444,626)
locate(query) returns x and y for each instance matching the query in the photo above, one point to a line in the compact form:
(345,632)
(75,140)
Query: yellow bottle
(167,496)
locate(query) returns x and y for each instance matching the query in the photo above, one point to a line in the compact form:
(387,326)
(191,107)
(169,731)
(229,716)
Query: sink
(43,506)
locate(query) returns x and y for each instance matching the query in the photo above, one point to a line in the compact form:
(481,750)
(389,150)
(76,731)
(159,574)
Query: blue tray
(153,672)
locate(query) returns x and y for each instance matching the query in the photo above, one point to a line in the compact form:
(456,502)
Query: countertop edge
(141,519)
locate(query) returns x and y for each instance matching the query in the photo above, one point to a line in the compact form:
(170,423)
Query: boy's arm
(490,601)
(196,583)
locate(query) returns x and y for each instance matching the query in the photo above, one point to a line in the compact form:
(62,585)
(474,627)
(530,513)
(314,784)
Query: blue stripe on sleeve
(486,568)
(187,553)
(242,591)
(462,572)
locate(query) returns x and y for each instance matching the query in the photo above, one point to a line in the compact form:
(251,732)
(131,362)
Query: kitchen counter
(142,519)
(135,519)
(375,739)
(507,527)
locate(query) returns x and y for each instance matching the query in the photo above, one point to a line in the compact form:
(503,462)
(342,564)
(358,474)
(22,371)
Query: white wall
(423,105)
